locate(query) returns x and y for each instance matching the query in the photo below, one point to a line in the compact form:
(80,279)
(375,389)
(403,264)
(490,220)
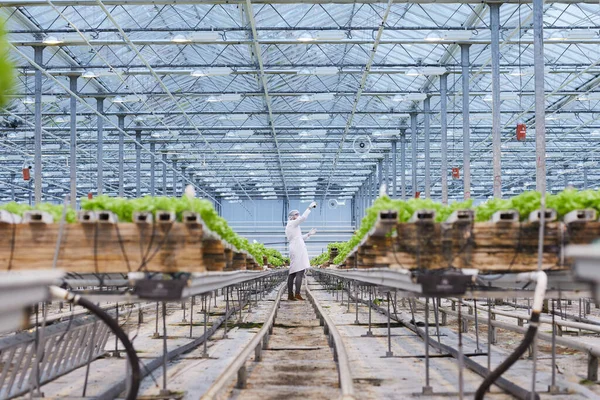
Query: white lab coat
(298,254)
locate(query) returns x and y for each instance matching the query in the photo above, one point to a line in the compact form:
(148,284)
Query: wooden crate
(513,247)
(214,255)
(103,248)
(580,233)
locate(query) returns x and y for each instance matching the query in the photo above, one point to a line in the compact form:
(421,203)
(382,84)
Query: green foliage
(563,202)
(6,68)
(124,208)
(55,210)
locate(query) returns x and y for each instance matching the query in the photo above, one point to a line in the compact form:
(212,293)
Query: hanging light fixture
(434,36)
(306,37)
(51,40)
(558,36)
(89,75)
(180,39)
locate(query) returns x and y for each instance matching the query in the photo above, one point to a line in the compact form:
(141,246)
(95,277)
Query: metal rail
(258,342)
(592,351)
(339,351)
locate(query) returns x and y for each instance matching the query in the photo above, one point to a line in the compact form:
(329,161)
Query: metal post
(464,54)
(403,164)
(356,321)
(394,162)
(540,101)
(389,329)
(379,175)
(427,388)
(413,149)
(138,163)
(121,123)
(13,186)
(553,388)
(460,353)
(100,146)
(496,123)
(73,142)
(164,391)
(585,178)
(477,349)
(152,166)
(174,177)
(374,191)
(444,135)
(164,174)
(37,173)
(426,111)
(386,171)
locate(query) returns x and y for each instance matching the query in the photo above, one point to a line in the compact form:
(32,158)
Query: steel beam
(152,166)
(263,80)
(413,148)
(496,123)
(394,193)
(100,149)
(426,147)
(403,163)
(164,174)
(37,134)
(73,143)
(464,57)
(174,177)
(540,101)
(444,136)
(121,123)
(138,163)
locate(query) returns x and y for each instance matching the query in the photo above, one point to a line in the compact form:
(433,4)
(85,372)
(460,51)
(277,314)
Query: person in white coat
(298,254)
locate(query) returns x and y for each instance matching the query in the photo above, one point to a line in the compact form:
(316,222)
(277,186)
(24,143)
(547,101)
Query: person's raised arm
(303,217)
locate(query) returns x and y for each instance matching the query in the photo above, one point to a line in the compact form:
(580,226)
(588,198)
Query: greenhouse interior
(316,199)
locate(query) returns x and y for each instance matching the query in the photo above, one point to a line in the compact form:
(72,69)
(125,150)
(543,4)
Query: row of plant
(563,202)
(124,208)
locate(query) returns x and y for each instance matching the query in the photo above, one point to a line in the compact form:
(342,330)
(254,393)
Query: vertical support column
(585,178)
(403,164)
(496,127)
(353,210)
(13,185)
(386,171)
(379,176)
(100,151)
(374,188)
(152,166)
(73,142)
(394,162)
(464,58)
(413,148)
(138,162)
(426,111)
(183,185)
(174,177)
(164,174)
(121,123)
(540,102)
(38,55)
(444,135)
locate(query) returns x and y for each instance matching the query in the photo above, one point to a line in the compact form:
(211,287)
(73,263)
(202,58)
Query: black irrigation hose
(511,359)
(119,333)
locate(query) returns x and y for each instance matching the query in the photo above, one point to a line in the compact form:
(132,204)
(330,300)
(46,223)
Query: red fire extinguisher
(26,173)
(455,173)
(90,195)
(521,132)
(417,195)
